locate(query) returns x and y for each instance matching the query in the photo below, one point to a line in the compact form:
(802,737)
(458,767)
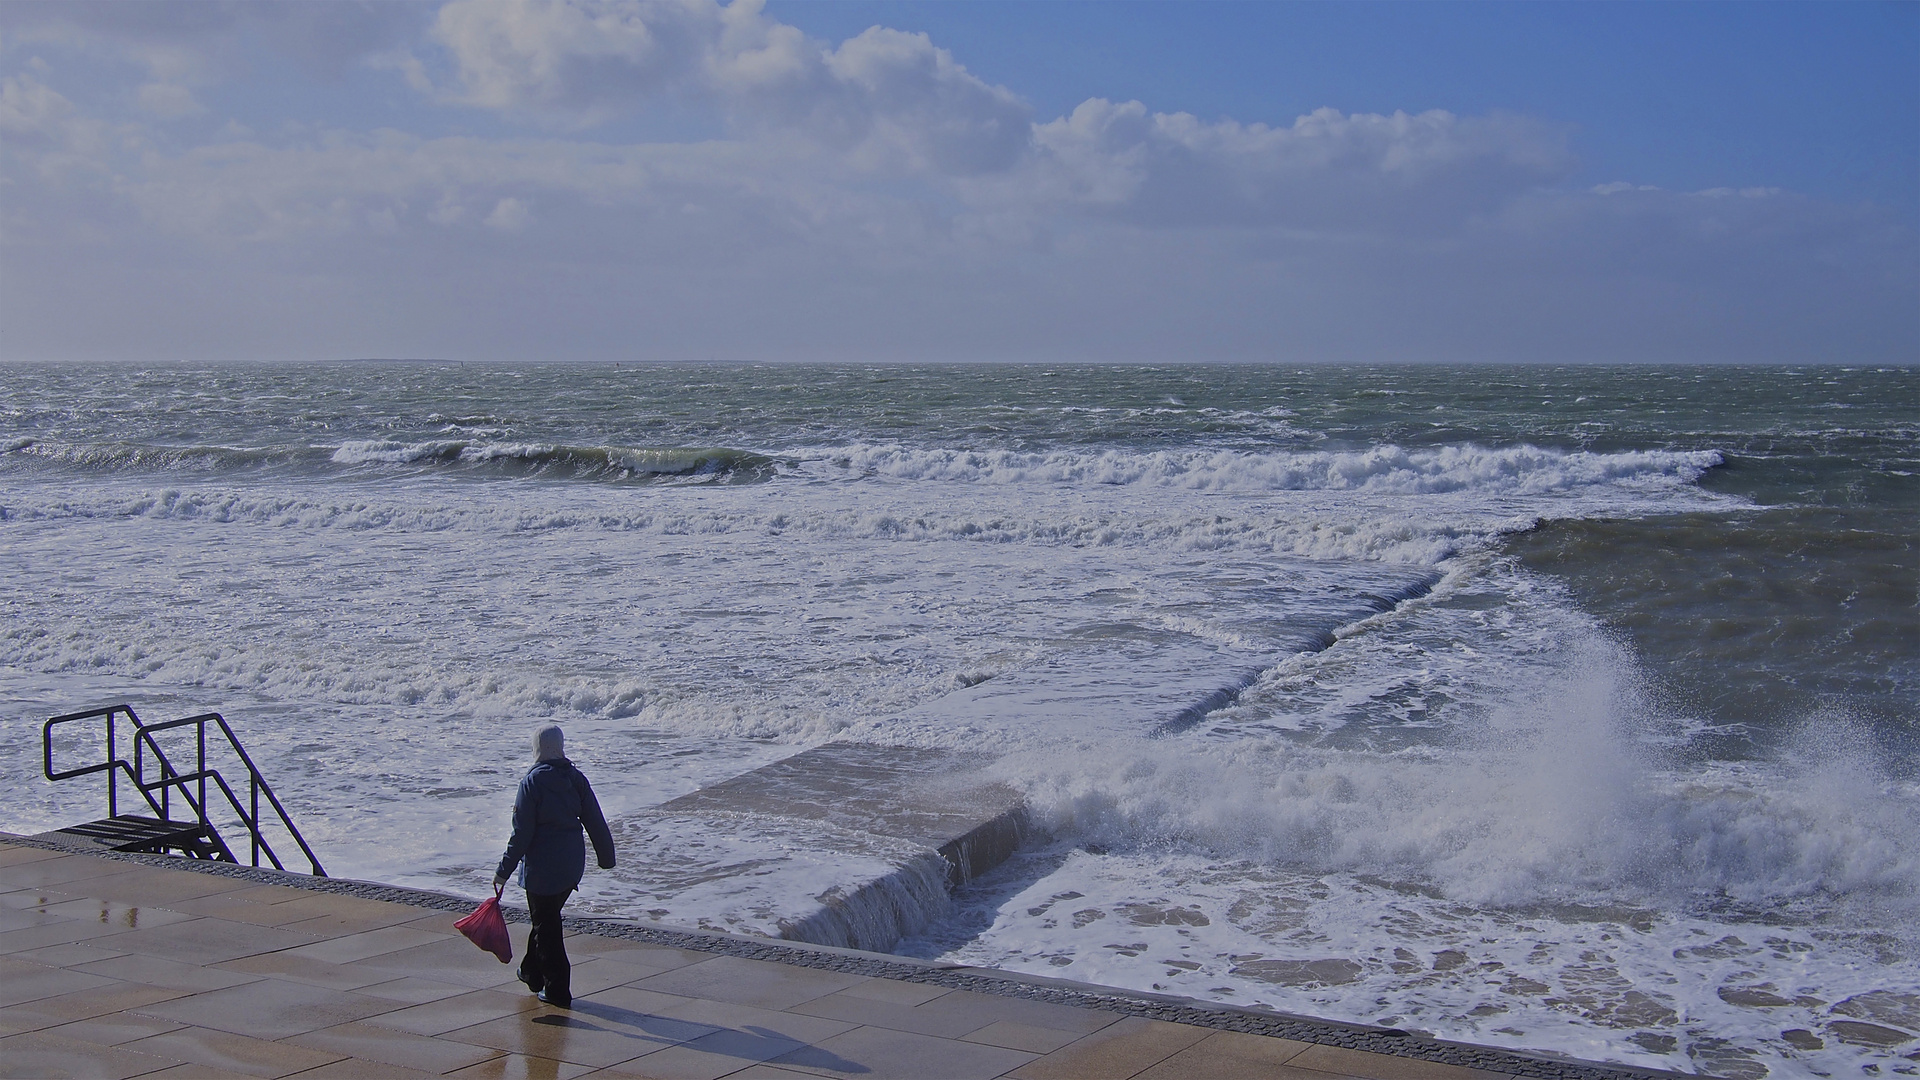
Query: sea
(1615,752)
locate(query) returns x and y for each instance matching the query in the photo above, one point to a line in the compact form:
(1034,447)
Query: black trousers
(545,967)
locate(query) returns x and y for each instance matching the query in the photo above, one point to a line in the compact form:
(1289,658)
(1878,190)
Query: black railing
(191,786)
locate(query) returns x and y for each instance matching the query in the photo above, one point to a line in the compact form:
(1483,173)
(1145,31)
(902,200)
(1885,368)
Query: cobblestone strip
(1221,1017)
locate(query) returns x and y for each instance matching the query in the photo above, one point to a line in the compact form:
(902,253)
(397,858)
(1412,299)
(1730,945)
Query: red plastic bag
(488,929)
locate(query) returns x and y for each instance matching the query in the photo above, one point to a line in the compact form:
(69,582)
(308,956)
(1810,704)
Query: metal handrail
(172,778)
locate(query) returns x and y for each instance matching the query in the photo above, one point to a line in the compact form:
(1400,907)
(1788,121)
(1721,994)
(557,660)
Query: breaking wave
(1558,801)
(1508,471)
(685,464)
(1515,470)
(480,459)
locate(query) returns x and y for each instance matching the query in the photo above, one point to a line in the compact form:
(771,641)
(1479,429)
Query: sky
(880,181)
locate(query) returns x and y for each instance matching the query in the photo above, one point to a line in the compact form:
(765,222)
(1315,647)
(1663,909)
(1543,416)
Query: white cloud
(586,60)
(192,42)
(897,91)
(509,215)
(168,101)
(871,198)
(1744,193)
(885,99)
(1327,170)
(29,106)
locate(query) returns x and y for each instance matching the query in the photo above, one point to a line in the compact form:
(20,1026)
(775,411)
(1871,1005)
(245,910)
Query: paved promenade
(114,967)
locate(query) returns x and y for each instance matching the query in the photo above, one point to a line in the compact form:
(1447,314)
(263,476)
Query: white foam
(384,642)
(1591,891)
(1551,799)
(1518,470)
(389,452)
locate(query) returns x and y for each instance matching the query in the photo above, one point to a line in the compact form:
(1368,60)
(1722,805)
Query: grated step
(133,832)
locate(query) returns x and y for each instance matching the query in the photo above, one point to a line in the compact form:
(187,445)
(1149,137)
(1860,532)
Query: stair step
(133,832)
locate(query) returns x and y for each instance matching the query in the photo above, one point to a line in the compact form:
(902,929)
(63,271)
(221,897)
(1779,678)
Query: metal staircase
(195,838)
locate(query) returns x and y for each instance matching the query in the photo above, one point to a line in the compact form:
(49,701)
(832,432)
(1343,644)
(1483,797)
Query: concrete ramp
(935,798)
(930,814)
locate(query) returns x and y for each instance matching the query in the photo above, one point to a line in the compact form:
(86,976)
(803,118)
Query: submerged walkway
(125,966)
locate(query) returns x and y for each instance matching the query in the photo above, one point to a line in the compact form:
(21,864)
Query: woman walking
(554,803)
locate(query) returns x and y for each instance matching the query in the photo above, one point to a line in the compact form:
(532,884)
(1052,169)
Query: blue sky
(1822,98)
(897,181)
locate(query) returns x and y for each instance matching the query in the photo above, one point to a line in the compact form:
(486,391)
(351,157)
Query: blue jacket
(553,803)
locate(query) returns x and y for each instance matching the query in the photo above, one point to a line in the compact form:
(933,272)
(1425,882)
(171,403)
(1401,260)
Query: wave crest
(695,464)
(1515,470)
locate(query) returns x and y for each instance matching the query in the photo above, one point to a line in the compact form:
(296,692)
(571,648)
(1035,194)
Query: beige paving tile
(295,968)
(641,1012)
(116,913)
(11,897)
(630,999)
(521,1067)
(633,952)
(335,915)
(448,1014)
(229,906)
(685,1062)
(597,974)
(751,982)
(49,1012)
(411,991)
(155,885)
(208,940)
(354,921)
(899,993)
(1339,1059)
(1015,1036)
(72,954)
(114,1028)
(233,1053)
(28,982)
(762,1022)
(946,1024)
(340,903)
(744,1046)
(560,1035)
(347,948)
(17,854)
(769,1072)
(268,1009)
(958,1013)
(15,918)
(1045,1014)
(195,1072)
(65,931)
(879,1054)
(39,1053)
(59,869)
(1118,1052)
(436,921)
(452,960)
(362,1069)
(1231,1055)
(159,971)
(266,894)
(374,1043)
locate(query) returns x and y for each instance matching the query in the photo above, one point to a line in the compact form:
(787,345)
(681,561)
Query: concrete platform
(931,813)
(130,965)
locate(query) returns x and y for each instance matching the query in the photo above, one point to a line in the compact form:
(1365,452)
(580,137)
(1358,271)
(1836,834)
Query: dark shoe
(556,1000)
(532,983)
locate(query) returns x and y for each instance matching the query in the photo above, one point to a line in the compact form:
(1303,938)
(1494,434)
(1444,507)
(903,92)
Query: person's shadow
(750,1044)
